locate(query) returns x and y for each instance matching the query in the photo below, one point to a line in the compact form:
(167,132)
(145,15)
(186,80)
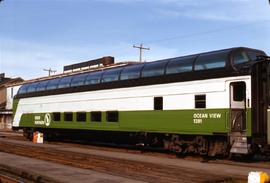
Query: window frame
(200,103)
(54,115)
(174,65)
(78,115)
(66,116)
(158,103)
(204,61)
(90,75)
(74,82)
(112,116)
(53,84)
(92,116)
(131,72)
(44,85)
(65,84)
(23,89)
(154,69)
(116,72)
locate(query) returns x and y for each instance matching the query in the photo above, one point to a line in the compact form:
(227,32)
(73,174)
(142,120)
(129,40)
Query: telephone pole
(141,50)
(50,71)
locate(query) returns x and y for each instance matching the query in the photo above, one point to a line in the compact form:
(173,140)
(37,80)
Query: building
(8,88)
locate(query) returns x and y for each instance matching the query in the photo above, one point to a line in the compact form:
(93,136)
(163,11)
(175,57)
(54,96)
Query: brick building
(8,88)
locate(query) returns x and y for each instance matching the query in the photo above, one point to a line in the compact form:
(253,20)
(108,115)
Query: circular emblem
(47,119)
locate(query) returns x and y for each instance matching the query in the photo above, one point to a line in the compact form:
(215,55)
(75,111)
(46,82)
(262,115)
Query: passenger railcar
(212,103)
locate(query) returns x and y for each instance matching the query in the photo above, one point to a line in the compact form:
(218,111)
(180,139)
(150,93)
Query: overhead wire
(184,36)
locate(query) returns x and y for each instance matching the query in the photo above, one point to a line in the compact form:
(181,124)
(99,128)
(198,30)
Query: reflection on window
(32,87)
(23,88)
(254,54)
(179,65)
(154,68)
(131,72)
(65,82)
(240,57)
(93,78)
(53,84)
(42,86)
(111,75)
(211,60)
(78,80)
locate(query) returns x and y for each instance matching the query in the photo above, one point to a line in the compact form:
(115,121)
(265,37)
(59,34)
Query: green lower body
(188,122)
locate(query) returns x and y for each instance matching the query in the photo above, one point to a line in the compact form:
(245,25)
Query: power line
(141,48)
(50,71)
(184,36)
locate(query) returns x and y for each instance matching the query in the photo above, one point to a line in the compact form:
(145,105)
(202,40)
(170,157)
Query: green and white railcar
(209,103)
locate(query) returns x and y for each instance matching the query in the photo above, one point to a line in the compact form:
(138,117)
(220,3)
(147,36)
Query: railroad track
(125,168)
(6,179)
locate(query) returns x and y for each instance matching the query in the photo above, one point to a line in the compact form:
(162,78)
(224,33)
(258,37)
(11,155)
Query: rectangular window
(56,116)
(239,91)
(158,103)
(96,116)
(81,116)
(112,116)
(200,101)
(68,116)
(12,93)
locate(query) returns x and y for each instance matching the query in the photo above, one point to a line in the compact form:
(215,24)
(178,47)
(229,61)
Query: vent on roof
(105,61)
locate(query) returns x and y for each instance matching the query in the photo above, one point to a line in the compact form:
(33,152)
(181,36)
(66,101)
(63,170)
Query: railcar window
(179,65)
(154,68)
(158,103)
(240,57)
(53,84)
(112,116)
(81,116)
(111,75)
(93,78)
(78,80)
(239,91)
(96,116)
(253,54)
(200,101)
(211,60)
(65,82)
(23,89)
(42,85)
(56,116)
(68,116)
(32,87)
(131,72)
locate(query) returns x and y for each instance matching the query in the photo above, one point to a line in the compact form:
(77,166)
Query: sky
(41,34)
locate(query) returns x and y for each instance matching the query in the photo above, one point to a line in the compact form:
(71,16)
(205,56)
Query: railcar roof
(225,59)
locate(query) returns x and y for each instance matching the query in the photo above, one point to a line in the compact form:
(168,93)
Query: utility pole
(50,71)
(141,50)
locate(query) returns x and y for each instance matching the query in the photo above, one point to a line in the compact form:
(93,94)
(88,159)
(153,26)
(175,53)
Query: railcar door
(238,138)
(238,106)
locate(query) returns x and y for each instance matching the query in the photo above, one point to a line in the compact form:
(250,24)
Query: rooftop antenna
(50,71)
(141,50)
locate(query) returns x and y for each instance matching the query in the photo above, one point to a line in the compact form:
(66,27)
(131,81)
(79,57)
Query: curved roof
(215,60)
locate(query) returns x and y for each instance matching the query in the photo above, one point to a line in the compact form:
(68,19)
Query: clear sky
(37,34)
